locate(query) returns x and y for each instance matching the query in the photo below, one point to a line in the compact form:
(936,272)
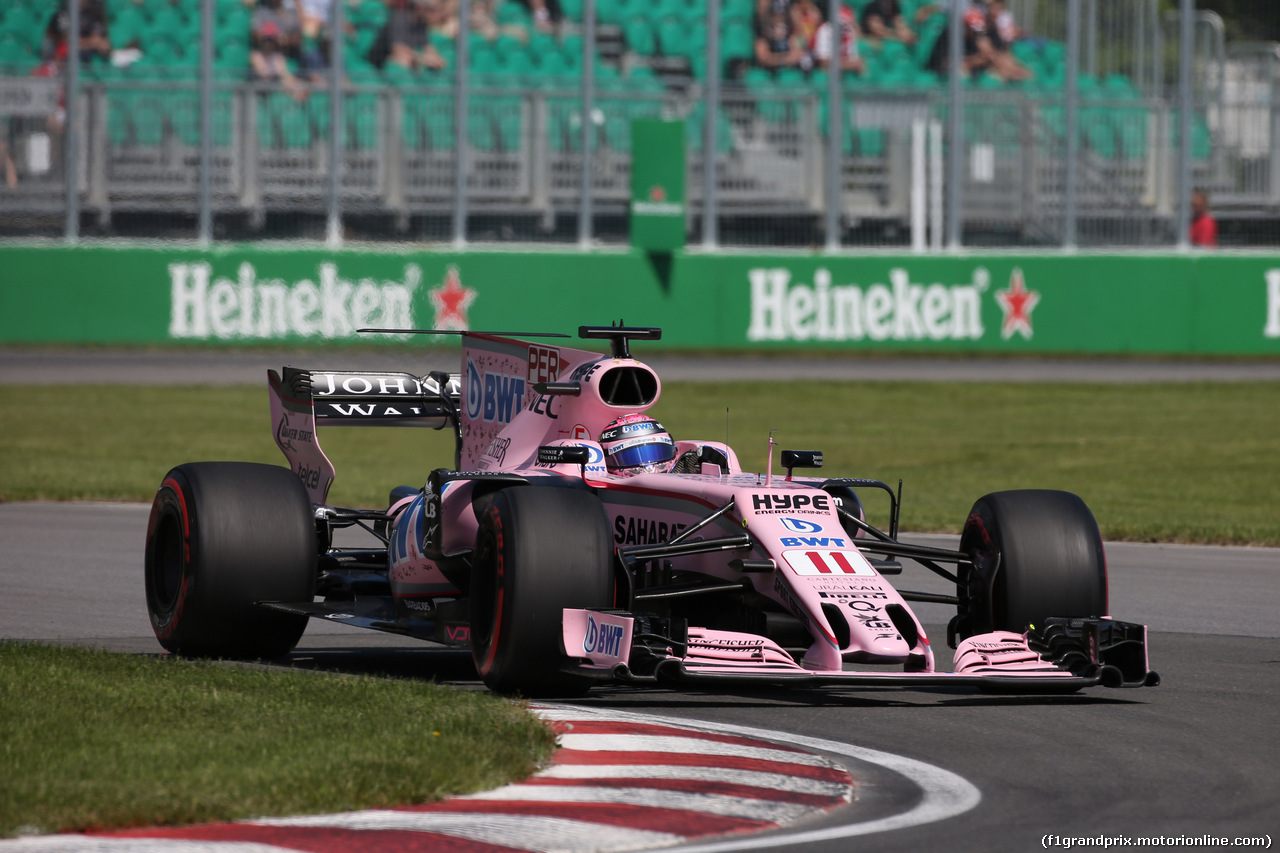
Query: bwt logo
(602,639)
(492,397)
(812,542)
(799,525)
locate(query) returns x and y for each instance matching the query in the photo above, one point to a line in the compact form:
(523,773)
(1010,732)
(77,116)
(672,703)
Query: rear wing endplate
(302,399)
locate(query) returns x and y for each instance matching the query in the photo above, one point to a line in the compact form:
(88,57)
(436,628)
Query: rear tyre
(223,536)
(538,550)
(1036,553)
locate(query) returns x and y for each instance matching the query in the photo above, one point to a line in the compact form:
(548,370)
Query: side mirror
(792,459)
(556,455)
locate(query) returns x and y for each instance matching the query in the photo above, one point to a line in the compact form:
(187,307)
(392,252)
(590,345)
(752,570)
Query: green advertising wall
(251,295)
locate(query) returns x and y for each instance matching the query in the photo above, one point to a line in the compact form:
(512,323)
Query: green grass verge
(1195,462)
(90,739)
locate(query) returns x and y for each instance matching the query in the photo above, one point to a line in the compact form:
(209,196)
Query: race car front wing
(1062,655)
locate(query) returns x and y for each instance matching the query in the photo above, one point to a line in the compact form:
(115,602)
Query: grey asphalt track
(1195,756)
(43,366)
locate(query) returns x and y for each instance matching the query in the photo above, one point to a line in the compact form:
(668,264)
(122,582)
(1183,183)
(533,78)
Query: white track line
(752,778)
(945,794)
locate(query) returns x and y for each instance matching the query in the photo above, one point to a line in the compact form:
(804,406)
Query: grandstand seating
(520,83)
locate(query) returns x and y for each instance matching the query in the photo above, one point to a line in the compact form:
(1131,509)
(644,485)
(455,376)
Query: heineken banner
(657,184)
(1147,304)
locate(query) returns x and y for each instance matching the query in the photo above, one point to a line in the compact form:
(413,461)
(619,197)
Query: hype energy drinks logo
(901,310)
(204,306)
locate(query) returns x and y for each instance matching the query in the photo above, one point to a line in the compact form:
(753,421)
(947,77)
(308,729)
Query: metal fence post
(1185,49)
(461,53)
(337,156)
(205,235)
(711,95)
(70,133)
(835,128)
(588,103)
(955,159)
(1072,120)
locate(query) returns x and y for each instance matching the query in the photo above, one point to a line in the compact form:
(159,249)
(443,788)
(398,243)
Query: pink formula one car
(574,542)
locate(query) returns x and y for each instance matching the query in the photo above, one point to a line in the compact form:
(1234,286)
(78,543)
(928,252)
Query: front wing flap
(1061,655)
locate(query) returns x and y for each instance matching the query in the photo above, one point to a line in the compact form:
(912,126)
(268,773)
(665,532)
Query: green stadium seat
(512,14)
(23,24)
(518,63)
(693,130)
(15,55)
(233,55)
(571,10)
(609,12)
(292,120)
(510,130)
(399,75)
(672,37)
(483,59)
(438,114)
(554,64)
(737,40)
(791,78)
(541,43)
(639,35)
(147,111)
(695,43)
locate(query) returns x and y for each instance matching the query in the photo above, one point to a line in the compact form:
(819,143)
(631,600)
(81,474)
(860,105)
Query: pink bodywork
(793,523)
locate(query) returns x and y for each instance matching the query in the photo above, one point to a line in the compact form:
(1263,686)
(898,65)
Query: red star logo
(1017,303)
(657,194)
(451,301)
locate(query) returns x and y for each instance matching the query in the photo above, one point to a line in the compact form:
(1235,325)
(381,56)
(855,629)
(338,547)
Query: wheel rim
(483,596)
(166,573)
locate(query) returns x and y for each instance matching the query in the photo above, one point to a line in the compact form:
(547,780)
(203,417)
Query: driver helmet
(637,444)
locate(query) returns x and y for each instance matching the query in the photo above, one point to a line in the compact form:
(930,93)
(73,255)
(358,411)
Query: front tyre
(1036,553)
(222,537)
(538,550)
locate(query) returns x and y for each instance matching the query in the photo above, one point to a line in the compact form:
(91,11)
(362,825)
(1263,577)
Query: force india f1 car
(560,574)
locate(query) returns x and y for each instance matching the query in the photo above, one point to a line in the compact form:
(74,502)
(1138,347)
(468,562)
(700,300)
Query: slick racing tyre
(538,550)
(222,537)
(1035,553)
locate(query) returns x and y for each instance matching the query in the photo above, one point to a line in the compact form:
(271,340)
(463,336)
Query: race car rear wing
(365,398)
(303,399)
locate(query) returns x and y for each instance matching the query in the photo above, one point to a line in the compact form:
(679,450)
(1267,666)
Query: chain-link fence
(1123,112)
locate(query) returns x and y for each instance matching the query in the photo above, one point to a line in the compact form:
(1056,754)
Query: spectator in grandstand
(984,50)
(122,56)
(778,46)
(484,21)
(1005,26)
(882,19)
(407,34)
(765,10)
(10,170)
(313,55)
(1204,228)
(288,26)
(849,57)
(268,63)
(442,17)
(544,16)
(94,41)
(8,140)
(806,18)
